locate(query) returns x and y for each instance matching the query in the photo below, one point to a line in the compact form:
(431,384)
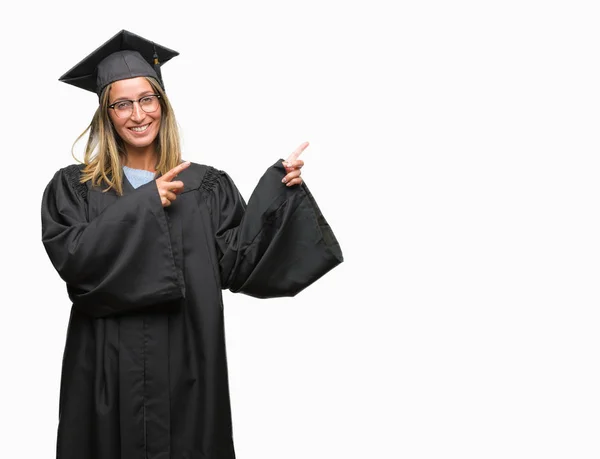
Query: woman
(145,244)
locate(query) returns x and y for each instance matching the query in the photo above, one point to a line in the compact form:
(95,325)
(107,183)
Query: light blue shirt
(138,177)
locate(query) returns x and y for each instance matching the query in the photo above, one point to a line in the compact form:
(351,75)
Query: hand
(293,165)
(167,189)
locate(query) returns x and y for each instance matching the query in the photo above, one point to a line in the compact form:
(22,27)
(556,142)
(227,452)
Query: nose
(137,114)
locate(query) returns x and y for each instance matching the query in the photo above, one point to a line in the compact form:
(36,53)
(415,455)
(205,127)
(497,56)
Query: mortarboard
(125,55)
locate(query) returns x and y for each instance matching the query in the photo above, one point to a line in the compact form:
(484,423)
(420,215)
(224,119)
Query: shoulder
(203,177)
(69,177)
(70,171)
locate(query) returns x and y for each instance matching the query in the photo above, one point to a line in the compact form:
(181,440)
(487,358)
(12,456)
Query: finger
(170,196)
(168,176)
(296,181)
(292,175)
(165,202)
(176,185)
(294,156)
(297,164)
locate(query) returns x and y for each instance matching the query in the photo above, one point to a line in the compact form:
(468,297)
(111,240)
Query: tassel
(157,67)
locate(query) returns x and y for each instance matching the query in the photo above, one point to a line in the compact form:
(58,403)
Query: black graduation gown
(144,371)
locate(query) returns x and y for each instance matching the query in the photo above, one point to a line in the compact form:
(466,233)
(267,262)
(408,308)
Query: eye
(146,100)
(123,105)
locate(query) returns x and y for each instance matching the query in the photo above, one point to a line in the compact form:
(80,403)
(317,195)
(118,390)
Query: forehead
(130,88)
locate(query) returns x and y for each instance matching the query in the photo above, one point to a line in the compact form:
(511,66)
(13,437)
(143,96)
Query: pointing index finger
(294,156)
(169,176)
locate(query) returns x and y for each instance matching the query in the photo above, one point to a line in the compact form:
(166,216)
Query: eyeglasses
(124,108)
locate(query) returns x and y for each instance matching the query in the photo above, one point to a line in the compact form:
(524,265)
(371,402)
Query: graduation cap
(125,55)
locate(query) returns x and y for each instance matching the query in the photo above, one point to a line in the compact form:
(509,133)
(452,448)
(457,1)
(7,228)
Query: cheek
(116,122)
(158,119)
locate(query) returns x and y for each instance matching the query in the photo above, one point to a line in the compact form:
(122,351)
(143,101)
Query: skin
(141,148)
(293,165)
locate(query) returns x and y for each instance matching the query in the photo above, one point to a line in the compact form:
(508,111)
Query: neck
(141,158)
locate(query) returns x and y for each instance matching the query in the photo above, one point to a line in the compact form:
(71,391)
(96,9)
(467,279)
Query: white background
(454,151)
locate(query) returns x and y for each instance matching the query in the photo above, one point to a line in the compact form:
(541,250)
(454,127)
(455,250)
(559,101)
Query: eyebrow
(141,94)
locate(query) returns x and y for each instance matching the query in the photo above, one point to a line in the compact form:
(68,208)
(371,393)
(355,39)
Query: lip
(140,133)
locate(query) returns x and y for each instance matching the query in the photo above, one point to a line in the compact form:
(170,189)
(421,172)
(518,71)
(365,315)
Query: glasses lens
(149,103)
(123,109)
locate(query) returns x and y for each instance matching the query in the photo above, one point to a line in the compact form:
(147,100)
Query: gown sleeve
(277,244)
(118,262)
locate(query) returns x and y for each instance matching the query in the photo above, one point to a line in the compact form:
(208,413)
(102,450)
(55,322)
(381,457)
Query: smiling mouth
(139,128)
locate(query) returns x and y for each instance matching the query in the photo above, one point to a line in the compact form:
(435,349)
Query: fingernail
(283,180)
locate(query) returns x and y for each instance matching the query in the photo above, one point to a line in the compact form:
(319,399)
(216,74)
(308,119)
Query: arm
(275,246)
(118,262)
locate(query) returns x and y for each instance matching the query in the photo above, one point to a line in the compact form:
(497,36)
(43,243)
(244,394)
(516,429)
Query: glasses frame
(133,103)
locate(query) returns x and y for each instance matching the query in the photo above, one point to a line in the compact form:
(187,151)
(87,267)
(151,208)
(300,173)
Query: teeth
(140,129)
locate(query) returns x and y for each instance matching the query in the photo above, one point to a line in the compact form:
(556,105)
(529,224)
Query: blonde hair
(104,148)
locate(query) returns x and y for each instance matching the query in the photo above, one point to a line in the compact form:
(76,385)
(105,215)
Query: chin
(140,144)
